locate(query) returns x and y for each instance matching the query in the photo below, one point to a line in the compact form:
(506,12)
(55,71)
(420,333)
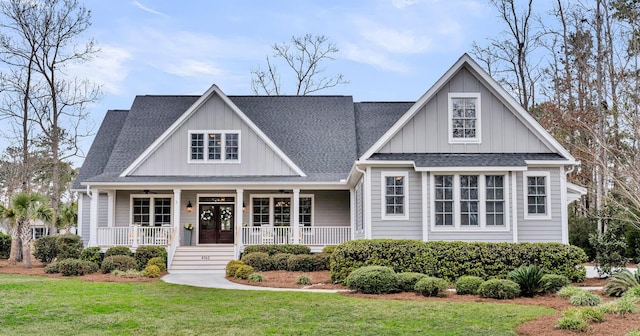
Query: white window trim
(525,195)
(271,212)
(478,138)
(482,199)
(151,198)
(206,146)
(383,193)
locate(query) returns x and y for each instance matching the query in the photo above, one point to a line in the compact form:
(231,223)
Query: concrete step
(202,259)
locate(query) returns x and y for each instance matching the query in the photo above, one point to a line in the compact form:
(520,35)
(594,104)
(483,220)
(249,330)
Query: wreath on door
(225,214)
(206,215)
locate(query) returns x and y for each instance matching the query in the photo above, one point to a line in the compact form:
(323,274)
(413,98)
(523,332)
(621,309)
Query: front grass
(44,306)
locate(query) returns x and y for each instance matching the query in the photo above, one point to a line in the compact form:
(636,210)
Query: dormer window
(214,146)
(464,118)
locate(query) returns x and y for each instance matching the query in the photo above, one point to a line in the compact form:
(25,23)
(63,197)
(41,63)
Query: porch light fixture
(244,207)
(189,207)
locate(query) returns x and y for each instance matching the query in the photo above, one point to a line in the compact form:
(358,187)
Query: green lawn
(44,306)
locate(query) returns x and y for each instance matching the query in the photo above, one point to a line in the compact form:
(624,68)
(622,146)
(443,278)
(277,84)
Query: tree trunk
(14,254)
(25,236)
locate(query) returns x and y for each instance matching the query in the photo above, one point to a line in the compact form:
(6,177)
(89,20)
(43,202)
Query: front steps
(202,259)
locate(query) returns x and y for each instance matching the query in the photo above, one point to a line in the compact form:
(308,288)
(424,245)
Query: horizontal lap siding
(541,230)
(359,212)
(396,229)
(331,207)
(86,213)
(103,210)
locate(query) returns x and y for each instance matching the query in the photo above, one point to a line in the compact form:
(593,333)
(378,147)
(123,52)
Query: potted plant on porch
(188,230)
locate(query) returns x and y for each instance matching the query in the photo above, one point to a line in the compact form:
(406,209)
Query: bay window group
(276,210)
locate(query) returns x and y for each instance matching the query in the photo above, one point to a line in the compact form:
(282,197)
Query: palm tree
(29,207)
(67,216)
(9,217)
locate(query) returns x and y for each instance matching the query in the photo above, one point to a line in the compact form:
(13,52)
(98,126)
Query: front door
(216,224)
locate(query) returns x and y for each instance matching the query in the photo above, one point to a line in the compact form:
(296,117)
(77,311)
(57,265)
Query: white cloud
(394,40)
(403,3)
(193,68)
(149,9)
(378,59)
(108,68)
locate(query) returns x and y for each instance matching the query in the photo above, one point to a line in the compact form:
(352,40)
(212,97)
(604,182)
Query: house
(464,162)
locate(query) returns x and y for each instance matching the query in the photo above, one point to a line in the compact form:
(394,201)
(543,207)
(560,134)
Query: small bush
(499,289)
(585,298)
(232,267)
(407,281)
(44,249)
(75,267)
(5,245)
(279,261)
(303,280)
(587,313)
(329,249)
(118,250)
(243,272)
(274,249)
(620,282)
(52,268)
(118,262)
(431,286)
(575,323)
(373,280)
(68,246)
(158,261)
(91,254)
(569,291)
(144,253)
(529,278)
(468,284)
(635,332)
(300,263)
(256,277)
(260,261)
(622,306)
(132,273)
(151,271)
(553,282)
(632,292)
(321,261)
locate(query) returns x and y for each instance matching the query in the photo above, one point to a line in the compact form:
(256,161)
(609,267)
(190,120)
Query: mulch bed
(285,279)
(38,270)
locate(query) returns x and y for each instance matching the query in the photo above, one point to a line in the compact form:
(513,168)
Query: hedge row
(274,249)
(261,261)
(451,260)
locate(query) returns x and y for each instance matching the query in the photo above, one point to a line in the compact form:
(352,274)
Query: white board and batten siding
(172,156)
(501,130)
(541,230)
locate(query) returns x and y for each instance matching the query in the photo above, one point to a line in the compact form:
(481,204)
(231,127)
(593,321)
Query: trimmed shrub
(468,284)
(243,272)
(232,267)
(74,267)
(118,262)
(158,261)
(273,249)
(621,306)
(635,332)
(553,282)
(260,261)
(52,268)
(151,271)
(451,260)
(321,261)
(329,249)
(144,253)
(280,261)
(256,277)
(44,249)
(132,273)
(569,291)
(572,322)
(68,246)
(300,263)
(529,278)
(632,292)
(585,298)
(303,280)
(431,286)
(373,280)
(118,250)
(620,282)
(499,289)
(5,245)
(587,313)
(91,254)
(407,280)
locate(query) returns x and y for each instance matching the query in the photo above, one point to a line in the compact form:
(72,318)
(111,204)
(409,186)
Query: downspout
(365,203)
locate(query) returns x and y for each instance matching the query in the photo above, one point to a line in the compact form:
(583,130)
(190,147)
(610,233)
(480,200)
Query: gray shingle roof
(467,160)
(373,119)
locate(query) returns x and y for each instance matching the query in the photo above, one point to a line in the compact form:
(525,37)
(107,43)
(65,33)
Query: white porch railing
(134,236)
(320,235)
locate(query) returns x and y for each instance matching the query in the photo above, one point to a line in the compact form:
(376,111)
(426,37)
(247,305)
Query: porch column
(352,213)
(296,216)
(93,217)
(177,210)
(238,218)
(111,201)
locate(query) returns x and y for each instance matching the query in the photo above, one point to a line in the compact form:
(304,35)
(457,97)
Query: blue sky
(390,50)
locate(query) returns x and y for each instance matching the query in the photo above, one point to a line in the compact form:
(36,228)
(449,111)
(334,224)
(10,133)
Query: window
(469,202)
(394,186)
(464,117)
(221,146)
(277,209)
(151,210)
(536,186)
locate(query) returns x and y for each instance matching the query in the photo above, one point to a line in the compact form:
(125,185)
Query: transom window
(220,146)
(276,210)
(469,201)
(151,210)
(394,185)
(464,117)
(536,194)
